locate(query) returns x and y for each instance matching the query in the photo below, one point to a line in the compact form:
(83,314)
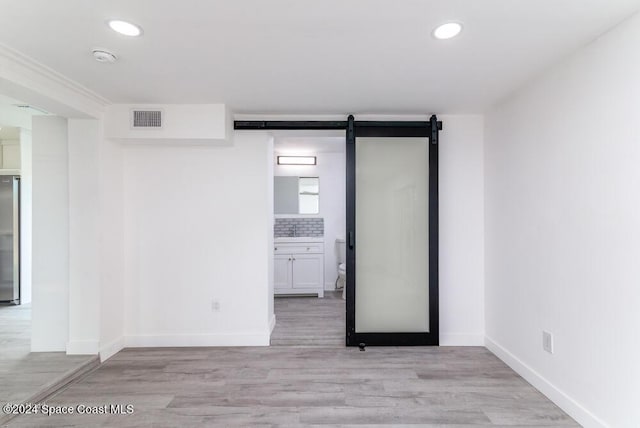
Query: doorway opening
(25,376)
(309,176)
(392,213)
(15,231)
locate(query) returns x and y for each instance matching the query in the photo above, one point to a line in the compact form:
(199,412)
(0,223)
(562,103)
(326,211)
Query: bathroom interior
(309,246)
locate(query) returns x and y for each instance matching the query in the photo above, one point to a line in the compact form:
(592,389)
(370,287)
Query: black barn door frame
(378,129)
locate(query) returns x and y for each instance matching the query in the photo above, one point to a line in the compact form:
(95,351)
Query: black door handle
(351,240)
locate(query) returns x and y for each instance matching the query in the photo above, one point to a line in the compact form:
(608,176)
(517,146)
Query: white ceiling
(316,56)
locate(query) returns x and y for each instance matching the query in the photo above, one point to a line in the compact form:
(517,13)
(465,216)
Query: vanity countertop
(297,239)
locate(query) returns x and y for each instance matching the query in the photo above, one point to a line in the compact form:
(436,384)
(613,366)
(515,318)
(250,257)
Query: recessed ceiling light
(124,27)
(104,56)
(447,31)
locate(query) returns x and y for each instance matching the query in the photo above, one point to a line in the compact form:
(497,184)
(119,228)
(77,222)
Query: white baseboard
(329,286)
(574,409)
(179,340)
(461,339)
(110,349)
(272,324)
(83,347)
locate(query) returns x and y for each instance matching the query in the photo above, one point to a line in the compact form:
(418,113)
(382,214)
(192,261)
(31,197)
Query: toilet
(341,282)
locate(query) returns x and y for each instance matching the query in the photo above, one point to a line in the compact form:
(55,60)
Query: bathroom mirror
(296,195)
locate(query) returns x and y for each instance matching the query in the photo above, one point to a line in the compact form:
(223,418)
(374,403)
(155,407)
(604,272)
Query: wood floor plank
(318,385)
(323,323)
(26,375)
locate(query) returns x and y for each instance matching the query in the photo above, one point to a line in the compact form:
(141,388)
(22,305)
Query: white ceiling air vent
(146,119)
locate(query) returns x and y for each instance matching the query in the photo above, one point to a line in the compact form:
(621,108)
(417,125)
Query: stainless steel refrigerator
(10,239)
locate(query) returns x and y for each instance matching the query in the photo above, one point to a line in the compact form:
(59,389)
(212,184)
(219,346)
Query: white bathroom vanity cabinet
(299,266)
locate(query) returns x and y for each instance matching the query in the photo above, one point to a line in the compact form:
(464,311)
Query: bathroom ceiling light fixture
(296,160)
(447,31)
(125,28)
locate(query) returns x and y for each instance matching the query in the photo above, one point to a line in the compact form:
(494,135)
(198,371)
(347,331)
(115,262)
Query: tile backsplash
(309,227)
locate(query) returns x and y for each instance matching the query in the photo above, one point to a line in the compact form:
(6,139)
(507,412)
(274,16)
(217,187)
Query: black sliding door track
(412,127)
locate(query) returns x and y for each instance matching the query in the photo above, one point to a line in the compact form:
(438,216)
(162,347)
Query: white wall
(50,234)
(165,230)
(84,140)
(331,171)
(461,203)
(195,123)
(270,239)
(562,230)
(197,230)
(162,231)
(111,251)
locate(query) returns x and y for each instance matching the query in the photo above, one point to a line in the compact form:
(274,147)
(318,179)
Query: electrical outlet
(215,306)
(547,341)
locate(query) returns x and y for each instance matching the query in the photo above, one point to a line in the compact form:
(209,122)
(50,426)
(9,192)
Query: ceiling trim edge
(22,70)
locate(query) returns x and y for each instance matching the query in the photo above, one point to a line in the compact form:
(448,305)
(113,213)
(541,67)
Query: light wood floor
(446,387)
(309,321)
(22,373)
